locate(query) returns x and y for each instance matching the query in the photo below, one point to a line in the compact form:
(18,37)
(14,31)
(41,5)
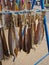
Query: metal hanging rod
(22,12)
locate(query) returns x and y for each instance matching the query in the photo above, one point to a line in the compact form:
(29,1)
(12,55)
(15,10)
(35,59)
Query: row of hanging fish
(20,32)
(13,5)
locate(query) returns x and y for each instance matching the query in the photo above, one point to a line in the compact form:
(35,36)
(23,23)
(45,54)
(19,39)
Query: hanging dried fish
(29,39)
(20,36)
(23,39)
(8,24)
(17,37)
(6,36)
(12,41)
(29,31)
(12,5)
(32,28)
(28,44)
(39,31)
(20,31)
(5,48)
(1,47)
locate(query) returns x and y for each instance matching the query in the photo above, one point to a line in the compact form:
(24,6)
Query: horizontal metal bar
(41,59)
(22,12)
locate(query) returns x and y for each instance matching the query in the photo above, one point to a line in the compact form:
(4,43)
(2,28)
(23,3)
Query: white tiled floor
(45,61)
